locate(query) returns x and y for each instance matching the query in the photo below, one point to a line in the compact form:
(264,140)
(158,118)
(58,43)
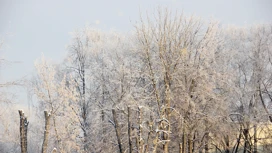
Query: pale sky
(32,27)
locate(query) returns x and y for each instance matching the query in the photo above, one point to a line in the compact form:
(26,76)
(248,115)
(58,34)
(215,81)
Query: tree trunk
(84,112)
(129,132)
(167,112)
(140,142)
(103,126)
(23,131)
(206,144)
(194,142)
(47,117)
(117,130)
(155,143)
(102,107)
(238,140)
(190,144)
(246,140)
(227,144)
(150,126)
(255,139)
(206,136)
(184,140)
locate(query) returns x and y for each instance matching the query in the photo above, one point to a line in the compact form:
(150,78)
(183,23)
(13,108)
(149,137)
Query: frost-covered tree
(251,64)
(106,80)
(57,95)
(181,77)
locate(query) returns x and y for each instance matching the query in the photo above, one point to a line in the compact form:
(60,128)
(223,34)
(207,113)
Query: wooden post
(117,130)
(46,131)
(23,131)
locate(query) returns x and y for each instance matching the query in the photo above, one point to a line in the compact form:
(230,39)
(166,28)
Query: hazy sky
(31,27)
